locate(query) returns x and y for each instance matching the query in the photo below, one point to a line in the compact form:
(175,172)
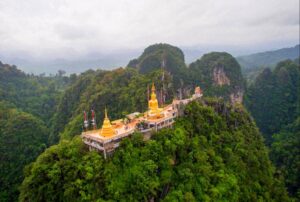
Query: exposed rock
(237,97)
(219,76)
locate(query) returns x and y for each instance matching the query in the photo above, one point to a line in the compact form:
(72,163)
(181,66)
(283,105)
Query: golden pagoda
(154,110)
(107,130)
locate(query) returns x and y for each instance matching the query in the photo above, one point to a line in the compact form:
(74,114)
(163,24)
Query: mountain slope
(285,152)
(27,104)
(219,74)
(36,95)
(22,138)
(268,58)
(162,56)
(273,99)
(214,153)
(122,91)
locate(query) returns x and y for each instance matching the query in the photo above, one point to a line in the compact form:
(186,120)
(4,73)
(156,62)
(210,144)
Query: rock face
(237,97)
(218,73)
(159,56)
(162,56)
(219,76)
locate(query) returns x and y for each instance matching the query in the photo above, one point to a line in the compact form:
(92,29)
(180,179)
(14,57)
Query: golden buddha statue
(154,110)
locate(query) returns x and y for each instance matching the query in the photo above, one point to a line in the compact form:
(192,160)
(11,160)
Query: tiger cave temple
(108,138)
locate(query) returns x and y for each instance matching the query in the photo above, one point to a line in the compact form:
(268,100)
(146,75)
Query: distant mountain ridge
(218,73)
(268,58)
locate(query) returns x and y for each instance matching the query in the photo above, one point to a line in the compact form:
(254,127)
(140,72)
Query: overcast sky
(76,28)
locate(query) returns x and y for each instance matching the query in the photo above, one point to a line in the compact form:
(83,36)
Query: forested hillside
(215,148)
(218,73)
(274,102)
(213,153)
(274,98)
(27,104)
(122,91)
(33,94)
(158,56)
(268,58)
(285,155)
(22,138)
(253,65)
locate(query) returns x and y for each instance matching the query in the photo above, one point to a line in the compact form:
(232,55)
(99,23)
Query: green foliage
(268,58)
(125,90)
(274,102)
(198,73)
(22,138)
(153,57)
(213,153)
(253,65)
(36,95)
(122,91)
(27,103)
(64,172)
(285,153)
(202,73)
(274,98)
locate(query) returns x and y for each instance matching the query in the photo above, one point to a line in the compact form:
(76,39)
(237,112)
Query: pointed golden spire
(105,111)
(153,93)
(153,87)
(107,130)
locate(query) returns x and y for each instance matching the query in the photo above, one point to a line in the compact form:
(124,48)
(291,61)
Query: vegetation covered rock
(214,152)
(22,138)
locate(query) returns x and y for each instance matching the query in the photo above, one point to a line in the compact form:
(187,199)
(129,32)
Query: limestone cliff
(162,56)
(236,97)
(219,74)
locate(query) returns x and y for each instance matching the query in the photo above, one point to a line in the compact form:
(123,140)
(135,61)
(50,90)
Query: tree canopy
(214,152)
(22,138)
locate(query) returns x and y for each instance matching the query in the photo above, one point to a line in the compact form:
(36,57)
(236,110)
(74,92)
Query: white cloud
(73,28)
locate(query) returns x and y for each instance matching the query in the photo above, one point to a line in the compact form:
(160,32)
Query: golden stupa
(107,130)
(154,110)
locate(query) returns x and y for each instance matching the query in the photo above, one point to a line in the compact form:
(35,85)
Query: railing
(94,145)
(91,131)
(147,130)
(116,145)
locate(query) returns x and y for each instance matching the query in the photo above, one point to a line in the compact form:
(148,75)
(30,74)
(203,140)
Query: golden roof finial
(153,87)
(107,130)
(105,111)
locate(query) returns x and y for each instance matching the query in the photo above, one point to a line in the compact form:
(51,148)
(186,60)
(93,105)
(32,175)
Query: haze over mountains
(268,58)
(112,60)
(70,65)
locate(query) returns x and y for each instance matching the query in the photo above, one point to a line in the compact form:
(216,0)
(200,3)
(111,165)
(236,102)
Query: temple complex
(108,138)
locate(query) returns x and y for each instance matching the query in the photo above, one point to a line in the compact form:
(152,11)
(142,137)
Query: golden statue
(154,111)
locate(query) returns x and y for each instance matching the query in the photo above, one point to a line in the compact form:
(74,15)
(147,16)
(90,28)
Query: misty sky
(77,28)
